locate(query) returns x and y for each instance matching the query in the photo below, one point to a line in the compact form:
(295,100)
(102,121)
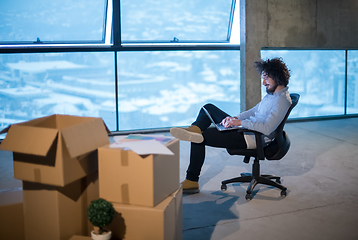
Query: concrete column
(253,32)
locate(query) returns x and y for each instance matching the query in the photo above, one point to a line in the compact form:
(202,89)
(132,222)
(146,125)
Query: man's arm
(248,113)
(236,121)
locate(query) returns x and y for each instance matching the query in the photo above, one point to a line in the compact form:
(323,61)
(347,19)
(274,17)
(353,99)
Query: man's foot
(191,134)
(190,187)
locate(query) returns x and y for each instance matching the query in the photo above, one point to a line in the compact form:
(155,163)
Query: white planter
(104,236)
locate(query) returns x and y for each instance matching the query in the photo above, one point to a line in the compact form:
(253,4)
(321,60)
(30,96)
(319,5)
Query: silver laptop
(219,126)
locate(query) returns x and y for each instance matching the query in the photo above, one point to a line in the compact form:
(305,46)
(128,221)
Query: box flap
(107,129)
(85,137)
(43,122)
(5,130)
(28,140)
(33,122)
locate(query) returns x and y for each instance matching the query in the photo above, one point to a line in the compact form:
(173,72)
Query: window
(166,88)
(318,76)
(176,21)
(352,82)
(40,84)
(39,21)
(47,68)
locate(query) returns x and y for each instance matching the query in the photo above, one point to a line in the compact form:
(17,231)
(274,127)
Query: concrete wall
(306,24)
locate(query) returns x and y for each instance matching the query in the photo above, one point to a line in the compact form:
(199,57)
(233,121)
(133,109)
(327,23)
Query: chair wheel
(248,197)
(223,187)
(283,193)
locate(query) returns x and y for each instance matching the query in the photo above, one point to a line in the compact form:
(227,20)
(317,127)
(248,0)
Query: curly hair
(275,68)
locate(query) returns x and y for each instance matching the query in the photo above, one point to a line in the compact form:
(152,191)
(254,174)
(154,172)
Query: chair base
(255,179)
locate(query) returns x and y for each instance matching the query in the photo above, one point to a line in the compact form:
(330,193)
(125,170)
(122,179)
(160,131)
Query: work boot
(191,134)
(190,187)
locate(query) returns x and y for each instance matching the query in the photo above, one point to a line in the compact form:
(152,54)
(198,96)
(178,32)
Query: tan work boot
(190,187)
(191,134)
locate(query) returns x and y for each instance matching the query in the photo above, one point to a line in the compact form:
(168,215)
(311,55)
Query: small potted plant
(100,213)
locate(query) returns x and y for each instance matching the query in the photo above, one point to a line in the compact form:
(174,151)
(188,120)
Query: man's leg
(213,138)
(202,122)
(200,135)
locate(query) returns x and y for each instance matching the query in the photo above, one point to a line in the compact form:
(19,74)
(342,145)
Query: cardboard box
(11,215)
(57,149)
(76,237)
(163,222)
(126,177)
(58,213)
(90,193)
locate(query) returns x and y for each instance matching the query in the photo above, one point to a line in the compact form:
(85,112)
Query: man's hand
(230,121)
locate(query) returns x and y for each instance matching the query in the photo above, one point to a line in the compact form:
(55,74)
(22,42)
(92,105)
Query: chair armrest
(258,139)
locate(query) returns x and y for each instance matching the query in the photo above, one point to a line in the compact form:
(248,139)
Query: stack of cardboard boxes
(58,158)
(144,191)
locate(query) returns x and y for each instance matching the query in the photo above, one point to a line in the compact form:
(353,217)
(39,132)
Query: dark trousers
(213,138)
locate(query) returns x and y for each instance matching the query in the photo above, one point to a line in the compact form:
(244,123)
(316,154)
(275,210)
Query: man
(264,117)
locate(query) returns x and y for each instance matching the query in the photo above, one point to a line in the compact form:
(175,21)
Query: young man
(264,117)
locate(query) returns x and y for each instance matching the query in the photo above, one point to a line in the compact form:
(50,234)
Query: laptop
(219,126)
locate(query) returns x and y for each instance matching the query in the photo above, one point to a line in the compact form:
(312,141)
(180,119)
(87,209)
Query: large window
(155,89)
(167,59)
(110,59)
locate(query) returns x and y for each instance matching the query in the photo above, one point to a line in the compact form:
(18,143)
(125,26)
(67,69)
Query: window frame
(113,43)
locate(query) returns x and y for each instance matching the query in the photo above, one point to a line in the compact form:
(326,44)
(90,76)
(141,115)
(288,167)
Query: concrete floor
(320,172)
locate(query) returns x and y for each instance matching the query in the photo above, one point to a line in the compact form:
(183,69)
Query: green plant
(100,213)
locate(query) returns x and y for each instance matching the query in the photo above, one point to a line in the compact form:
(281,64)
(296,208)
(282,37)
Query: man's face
(269,83)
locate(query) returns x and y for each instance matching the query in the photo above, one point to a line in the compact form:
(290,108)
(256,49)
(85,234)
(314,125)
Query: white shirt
(266,116)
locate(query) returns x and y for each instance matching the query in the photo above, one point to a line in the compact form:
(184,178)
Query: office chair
(276,150)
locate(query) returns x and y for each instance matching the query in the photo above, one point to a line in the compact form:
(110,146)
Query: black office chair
(276,150)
